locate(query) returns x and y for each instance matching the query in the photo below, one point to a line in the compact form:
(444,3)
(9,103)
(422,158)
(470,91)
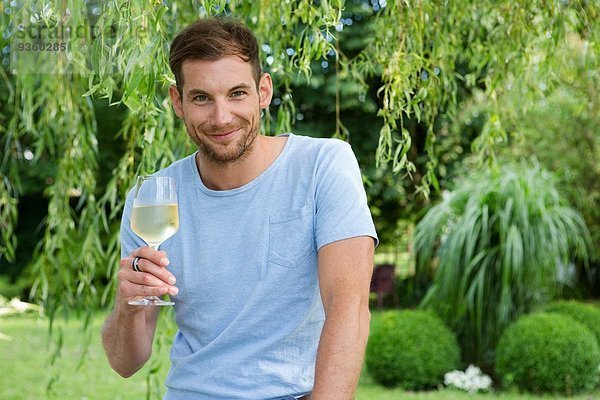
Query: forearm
(127,339)
(340,354)
(129,331)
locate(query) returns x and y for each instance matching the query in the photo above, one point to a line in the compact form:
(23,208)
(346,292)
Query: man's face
(220,105)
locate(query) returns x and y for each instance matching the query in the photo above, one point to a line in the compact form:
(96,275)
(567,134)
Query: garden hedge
(411,349)
(548,353)
(587,314)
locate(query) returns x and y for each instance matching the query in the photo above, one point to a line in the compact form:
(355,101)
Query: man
(271,266)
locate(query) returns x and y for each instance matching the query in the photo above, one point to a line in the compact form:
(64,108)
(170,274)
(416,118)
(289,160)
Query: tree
(560,127)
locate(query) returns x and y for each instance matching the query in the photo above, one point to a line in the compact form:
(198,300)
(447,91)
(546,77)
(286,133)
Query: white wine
(155,223)
(154,218)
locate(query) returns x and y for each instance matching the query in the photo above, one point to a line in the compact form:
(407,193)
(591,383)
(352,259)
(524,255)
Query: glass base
(151,301)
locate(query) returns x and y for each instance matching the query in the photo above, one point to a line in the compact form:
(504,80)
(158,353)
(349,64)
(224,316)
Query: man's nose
(221,113)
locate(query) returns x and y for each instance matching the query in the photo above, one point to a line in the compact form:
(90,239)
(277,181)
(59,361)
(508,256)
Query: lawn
(27,372)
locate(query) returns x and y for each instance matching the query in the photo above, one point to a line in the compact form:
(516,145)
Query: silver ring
(134,264)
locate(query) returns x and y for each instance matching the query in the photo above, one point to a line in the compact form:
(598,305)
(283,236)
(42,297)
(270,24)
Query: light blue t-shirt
(249,309)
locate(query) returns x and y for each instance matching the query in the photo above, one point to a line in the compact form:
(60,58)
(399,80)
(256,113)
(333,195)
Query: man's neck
(261,154)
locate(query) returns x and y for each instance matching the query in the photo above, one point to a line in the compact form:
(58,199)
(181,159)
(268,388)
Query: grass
(27,370)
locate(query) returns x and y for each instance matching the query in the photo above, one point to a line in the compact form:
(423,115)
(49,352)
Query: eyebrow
(196,92)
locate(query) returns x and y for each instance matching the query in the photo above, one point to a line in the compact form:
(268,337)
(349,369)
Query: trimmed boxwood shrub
(411,349)
(587,314)
(548,353)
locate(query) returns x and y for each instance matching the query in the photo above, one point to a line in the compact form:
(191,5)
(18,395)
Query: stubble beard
(218,154)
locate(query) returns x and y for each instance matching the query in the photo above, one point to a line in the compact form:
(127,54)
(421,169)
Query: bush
(411,349)
(547,352)
(586,314)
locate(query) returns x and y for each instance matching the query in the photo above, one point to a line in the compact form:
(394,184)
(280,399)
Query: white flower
(472,380)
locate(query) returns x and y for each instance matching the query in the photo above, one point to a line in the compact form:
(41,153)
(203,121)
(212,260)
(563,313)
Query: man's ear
(176,99)
(265,90)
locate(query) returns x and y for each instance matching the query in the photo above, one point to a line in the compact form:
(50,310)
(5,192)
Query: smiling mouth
(224,136)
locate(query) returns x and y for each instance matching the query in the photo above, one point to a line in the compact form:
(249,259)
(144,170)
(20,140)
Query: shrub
(547,352)
(586,314)
(411,349)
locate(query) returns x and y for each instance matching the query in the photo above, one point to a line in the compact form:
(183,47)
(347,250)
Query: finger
(145,278)
(128,276)
(148,280)
(158,257)
(147,266)
(143,290)
(130,283)
(155,258)
(130,290)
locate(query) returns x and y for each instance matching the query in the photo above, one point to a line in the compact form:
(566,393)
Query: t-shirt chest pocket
(291,236)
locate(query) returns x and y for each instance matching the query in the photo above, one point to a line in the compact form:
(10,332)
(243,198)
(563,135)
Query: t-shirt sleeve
(129,240)
(340,199)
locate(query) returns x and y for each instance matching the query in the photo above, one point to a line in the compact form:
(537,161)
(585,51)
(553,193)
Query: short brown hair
(213,39)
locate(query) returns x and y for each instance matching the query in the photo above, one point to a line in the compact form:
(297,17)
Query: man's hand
(153,280)
(129,331)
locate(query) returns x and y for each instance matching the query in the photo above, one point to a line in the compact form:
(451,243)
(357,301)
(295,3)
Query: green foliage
(8,219)
(586,314)
(548,353)
(560,128)
(495,245)
(411,349)
(413,54)
(557,121)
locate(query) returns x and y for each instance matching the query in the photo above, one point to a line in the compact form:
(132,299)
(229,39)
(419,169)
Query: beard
(226,153)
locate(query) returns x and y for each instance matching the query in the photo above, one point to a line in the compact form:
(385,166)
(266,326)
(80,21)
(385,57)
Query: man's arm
(128,332)
(345,269)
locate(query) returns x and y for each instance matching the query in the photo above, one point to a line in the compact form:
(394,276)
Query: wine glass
(154,218)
